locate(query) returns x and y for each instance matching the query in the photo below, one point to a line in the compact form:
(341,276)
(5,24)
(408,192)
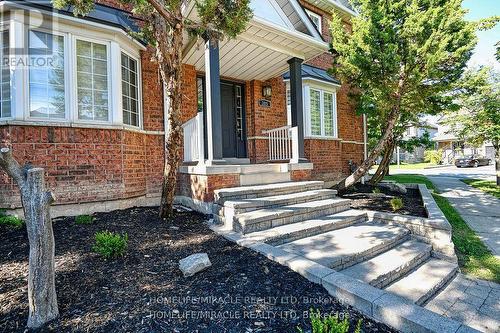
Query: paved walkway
(481,211)
(473,302)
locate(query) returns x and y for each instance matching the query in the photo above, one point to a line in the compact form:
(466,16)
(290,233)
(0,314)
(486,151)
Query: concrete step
(257,191)
(345,247)
(267,218)
(259,178)
(233,207)
(290,232)
(423,283)
(391,265)
(259,168)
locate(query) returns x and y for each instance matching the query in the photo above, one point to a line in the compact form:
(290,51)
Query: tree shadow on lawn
(145,291)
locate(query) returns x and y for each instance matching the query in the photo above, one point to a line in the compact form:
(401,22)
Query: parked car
(471,161)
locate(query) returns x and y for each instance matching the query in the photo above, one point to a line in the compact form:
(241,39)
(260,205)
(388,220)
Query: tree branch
(168,16)
(11,166)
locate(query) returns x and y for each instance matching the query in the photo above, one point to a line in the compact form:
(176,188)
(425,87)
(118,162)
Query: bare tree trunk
(497,162)
(36,202)
(383,168)
(169,57)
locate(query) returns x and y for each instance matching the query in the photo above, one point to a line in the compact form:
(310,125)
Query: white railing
(283,144)
(193,139)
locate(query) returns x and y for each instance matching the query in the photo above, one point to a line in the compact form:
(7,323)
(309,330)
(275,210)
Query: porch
(248,126)
(234,77)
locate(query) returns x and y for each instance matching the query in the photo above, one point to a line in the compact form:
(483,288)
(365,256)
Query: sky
(484,53)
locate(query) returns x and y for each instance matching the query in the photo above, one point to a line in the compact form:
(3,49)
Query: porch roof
(273,36)
(311,72)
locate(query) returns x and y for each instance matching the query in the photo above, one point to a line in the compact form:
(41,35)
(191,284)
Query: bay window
(46,76)
(320,112)
(5,106)
(92,80)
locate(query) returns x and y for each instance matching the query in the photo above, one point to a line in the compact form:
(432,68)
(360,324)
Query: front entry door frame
(239,114)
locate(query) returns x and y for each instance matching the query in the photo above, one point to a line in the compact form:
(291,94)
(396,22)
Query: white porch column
(214,113)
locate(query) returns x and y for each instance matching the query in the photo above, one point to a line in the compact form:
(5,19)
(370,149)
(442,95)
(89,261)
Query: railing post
(295,145)
(201,141)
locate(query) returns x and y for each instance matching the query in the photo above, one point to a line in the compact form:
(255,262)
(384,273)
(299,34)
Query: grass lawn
(474,258)
(488,186)
(407,166)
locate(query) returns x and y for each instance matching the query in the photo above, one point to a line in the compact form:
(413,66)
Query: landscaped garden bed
(145,291)
(379,199)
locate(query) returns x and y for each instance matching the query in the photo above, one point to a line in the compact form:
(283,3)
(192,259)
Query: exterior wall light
(267,91)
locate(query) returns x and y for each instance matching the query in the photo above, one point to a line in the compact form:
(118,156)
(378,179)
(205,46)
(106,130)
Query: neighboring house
(417,155)
(259,108)
(452,146)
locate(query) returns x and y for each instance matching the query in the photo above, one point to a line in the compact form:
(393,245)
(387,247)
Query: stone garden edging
(434,230)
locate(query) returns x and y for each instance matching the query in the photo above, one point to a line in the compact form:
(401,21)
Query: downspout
(365,144)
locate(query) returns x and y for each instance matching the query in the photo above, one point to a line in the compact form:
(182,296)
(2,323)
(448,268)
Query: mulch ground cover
(363,197)
(144,291)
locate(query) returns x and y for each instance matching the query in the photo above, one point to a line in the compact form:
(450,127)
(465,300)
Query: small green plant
(396,204)
(433,156)
(84,219)
(10,220)
(376,190)
(109,244)
(329,324)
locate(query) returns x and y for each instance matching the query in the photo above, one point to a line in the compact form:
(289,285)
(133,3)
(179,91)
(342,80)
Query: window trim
(307,112)
(67,82)
(111,107)
(318,16)
(3,28)
(139,90)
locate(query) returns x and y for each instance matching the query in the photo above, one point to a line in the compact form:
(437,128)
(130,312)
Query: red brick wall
(85,165)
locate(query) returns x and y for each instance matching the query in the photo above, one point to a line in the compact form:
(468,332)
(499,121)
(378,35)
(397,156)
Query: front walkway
(481,211)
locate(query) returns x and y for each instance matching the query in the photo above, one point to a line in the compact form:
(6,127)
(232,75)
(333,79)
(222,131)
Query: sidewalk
(481,211)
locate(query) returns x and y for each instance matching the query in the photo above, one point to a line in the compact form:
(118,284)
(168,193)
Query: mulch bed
(363,197)
(145,291)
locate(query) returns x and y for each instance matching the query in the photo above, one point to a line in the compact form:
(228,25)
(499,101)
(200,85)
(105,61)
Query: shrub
(110,245)
(433,156)
(10,220)
(396,204)
(376,190)
(329,324)
(84,219)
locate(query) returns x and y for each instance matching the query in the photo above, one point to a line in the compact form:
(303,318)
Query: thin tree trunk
(497,162)
(370,161)
(170,64)
(36,202)
(383,168)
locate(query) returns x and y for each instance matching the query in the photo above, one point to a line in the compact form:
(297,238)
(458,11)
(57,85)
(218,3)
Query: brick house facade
(110,161)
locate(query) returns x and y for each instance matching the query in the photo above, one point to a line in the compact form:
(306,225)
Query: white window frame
(307,111)
(111,107)
(323,88)
(139,88)
(316,16)
(67,83)
(3,28)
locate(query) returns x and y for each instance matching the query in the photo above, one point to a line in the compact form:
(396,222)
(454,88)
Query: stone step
(259,178)
(424,282)
(267,218)
(258,168)
(256,191)
(345,247)
(391,265)
(290,232)
(233,207)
